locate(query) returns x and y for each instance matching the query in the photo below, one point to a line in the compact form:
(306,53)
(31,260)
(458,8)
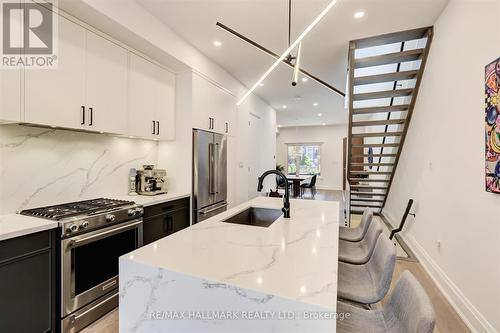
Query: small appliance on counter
(151,181)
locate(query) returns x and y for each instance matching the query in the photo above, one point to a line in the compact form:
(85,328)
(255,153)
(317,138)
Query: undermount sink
(259,217)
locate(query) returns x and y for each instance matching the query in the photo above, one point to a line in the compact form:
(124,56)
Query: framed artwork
(492,129)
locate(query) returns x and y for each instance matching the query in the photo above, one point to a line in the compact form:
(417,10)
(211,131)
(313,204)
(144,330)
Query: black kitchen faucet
(286,200)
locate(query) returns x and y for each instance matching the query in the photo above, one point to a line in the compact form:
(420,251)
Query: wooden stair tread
(370,173)
(376,145)
(366,200)
(372,164)
(376,134)
(381,109)
(370,180)
(388,77)
(389,58)
(383,94)
(394,37)
(378,122)
(369,187)
(367,205)
(374,155)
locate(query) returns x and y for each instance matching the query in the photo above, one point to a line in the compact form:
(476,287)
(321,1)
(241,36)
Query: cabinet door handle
(157,128)
(91,113)
(83,115)
(154,128)
(227,128)
(209,123)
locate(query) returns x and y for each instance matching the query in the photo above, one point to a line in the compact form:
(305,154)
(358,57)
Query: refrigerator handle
(216,171)
(211,165)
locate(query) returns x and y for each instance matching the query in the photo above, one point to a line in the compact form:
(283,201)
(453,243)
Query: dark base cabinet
(28,284)
(165,219)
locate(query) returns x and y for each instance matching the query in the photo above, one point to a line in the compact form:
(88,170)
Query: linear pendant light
(289,49)
(297,66)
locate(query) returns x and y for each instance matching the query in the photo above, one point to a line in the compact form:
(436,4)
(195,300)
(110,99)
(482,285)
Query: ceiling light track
(276,56)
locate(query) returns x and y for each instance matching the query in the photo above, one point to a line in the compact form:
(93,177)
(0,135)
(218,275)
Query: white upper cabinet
(56,97)
(106,85)
(214,109)
(10,95)
(10,92)
(151,100)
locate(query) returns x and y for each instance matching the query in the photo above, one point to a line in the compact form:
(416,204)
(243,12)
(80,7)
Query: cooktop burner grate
(87,207)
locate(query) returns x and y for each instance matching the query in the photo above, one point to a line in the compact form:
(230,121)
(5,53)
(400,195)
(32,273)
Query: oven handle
(88,239)
(74,318)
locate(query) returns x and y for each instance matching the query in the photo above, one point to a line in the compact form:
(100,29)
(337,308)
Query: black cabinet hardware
(83,115)
(157,127)
(154,128)
(227,128)
(91,112)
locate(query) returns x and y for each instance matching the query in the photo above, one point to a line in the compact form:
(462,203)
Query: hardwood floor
(447,320)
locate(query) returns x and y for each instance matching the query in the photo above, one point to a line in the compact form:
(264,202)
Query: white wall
(331,150)
(442,165)
(40,166)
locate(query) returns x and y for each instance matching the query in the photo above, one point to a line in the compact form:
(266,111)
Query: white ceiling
(266,22)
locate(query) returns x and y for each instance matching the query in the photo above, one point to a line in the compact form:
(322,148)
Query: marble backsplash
(43,166)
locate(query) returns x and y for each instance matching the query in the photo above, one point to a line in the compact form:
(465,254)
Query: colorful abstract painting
(492,122)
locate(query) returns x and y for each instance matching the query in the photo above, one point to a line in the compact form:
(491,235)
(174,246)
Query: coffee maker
(151,181)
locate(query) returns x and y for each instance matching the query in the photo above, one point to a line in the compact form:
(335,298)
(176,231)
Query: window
(304,155)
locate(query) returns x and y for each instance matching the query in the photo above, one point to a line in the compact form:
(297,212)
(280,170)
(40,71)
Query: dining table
(296,180)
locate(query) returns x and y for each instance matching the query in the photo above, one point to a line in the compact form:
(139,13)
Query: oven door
(90,263)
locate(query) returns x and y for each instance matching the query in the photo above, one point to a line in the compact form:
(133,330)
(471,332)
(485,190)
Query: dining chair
(368,283)
(357,234)
(311,185)
(360,252)
(408,309)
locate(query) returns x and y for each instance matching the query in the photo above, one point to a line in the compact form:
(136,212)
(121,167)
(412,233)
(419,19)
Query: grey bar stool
(368,283)
(357,234)
(360,252)
(408,310)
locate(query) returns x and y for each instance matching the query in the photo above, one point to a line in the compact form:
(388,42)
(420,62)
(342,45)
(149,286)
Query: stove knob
(85,225)
(139,210)
(73,228)
(110,218)
(131,212)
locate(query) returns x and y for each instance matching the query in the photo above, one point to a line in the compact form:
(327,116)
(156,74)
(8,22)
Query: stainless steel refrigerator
(209,174)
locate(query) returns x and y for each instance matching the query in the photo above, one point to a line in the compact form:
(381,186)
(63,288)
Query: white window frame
(320,148)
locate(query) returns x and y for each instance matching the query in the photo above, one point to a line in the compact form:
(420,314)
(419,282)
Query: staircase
(385,73)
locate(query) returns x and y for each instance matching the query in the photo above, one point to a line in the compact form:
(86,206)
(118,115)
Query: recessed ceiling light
(305,79)
(261,84)
(279,125)
(284,106)
(320,114)
(315,104)
(359,15)
(324,124)
(217,43)
(131,136)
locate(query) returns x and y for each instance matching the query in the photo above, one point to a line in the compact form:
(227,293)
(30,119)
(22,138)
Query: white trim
(465,309)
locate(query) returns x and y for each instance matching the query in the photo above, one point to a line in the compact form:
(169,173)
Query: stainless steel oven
(89,271)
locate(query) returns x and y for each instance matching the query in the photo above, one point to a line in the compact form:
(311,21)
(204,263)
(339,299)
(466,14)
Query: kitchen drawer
(24,245)
(166,207)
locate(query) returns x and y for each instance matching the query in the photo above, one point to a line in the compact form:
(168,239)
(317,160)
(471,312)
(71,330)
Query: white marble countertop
(15,225)
(150,200)
(293,258)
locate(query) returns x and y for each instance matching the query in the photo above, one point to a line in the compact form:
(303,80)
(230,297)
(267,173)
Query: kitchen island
(225,277)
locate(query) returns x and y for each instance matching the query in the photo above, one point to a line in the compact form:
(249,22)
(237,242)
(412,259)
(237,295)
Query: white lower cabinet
(214,109)
(151,100)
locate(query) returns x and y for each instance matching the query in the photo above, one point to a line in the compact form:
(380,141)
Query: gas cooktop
(79,208)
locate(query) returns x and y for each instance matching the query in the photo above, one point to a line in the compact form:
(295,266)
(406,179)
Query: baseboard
(469,314)
(329,188)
